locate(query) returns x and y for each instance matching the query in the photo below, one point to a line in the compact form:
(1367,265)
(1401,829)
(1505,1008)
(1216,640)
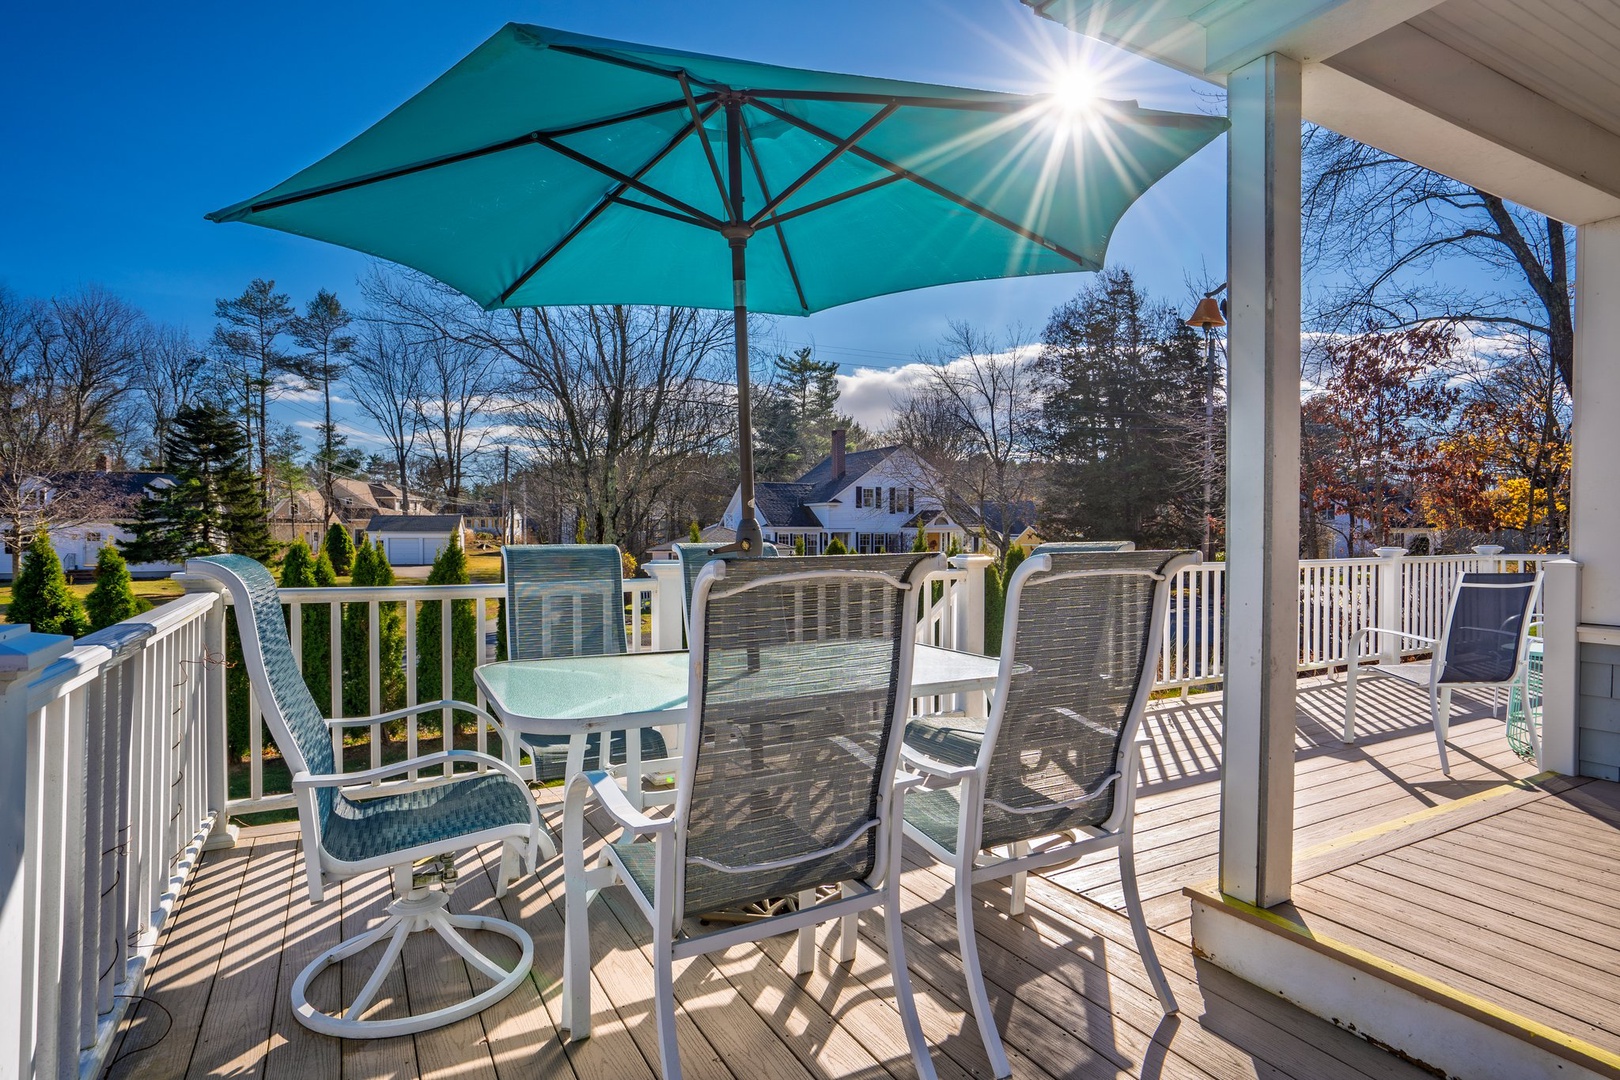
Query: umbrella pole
(749,537)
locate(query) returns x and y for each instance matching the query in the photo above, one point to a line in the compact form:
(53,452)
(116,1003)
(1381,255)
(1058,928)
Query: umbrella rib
(928,185)
(781,237)
(659,210)
(703,135)
(815,170)
(460,156)
(821,204)
(627,180)
(608,200)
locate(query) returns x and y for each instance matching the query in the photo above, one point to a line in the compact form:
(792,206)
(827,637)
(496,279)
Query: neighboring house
(1020,525)
(709,534)
(358,502)
(486,517)
(872,500)
(117,493)
(415,539)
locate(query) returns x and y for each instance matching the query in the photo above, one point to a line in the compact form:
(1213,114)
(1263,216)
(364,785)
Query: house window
(911,500)
(891,500)
(92,538)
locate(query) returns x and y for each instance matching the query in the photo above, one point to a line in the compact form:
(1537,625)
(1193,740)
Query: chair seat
(550,752)
(950,738)
(708,889)
(934,812)
(362,829)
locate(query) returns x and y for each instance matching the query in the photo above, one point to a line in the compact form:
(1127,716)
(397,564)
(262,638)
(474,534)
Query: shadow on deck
(1071,995)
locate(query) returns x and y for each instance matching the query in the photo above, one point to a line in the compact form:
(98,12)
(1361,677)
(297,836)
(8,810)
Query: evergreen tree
(795,416)
(837,547)
(450,568)
(320,332)
(371,569)
(301,570)
(40,595)
(694,533)
(214,505)
(113,599)
(338,547)
(1123,381)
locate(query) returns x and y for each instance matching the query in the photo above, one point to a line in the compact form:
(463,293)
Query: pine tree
(40,595)
(450,568)
(301,570)
(214,505)
(694,533)
(837,547)
(371,569)
(113,599)
(338,548)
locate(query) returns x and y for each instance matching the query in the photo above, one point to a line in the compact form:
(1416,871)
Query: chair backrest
(801,669)
(1487,628)
(1079,647)
(563,600)
(693,558)
(1085,546)
(289,708)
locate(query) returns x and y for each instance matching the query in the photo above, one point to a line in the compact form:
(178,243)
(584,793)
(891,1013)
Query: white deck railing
(114,761)
(113,755)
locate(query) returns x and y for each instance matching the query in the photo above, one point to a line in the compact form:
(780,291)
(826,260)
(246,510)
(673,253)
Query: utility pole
(506,504)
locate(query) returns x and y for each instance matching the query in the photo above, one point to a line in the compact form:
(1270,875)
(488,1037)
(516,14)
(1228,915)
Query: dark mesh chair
(349,827)
(1051,773)
(1484,644)
(787,786)
(568,600)
(693,558)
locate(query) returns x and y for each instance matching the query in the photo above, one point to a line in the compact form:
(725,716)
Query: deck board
(1071,995)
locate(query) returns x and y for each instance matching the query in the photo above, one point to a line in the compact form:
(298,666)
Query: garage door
(405,550)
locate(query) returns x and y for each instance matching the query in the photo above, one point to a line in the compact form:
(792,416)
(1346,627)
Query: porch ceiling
(1518,97)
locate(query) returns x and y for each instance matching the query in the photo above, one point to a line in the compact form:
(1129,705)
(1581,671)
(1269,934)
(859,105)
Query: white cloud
(872,396)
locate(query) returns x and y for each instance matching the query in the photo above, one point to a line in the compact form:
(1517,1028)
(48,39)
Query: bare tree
(173,371)
(385,377)
(616,401)
(249,336)
(974,422)
(1381,225)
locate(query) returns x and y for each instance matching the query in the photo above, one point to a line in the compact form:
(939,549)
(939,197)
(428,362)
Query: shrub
(301,570)
(371,568)
(113,599)
(837,547)
(40,595)
(450,568)
(338,548)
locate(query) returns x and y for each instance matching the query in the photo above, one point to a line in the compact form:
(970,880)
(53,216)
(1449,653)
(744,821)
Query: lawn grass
(157,591)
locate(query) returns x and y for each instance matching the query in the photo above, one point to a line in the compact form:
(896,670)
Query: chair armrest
(905,781)
(320,780)
(928,766)
(1361,635)
(412,710)
(613,800)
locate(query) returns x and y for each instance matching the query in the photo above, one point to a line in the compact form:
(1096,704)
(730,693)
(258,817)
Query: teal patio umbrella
(552,168)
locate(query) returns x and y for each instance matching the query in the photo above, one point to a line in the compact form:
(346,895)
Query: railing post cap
(1389,552)
(969,560)
(662,567)
(1488,549)
(23,650)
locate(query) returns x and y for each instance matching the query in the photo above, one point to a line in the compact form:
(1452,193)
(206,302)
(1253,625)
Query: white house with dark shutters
(872,500)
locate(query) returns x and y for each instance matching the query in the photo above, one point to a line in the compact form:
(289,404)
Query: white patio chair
(788,785)
(1050,775)
(349,827)
(1482,645)
(568,600)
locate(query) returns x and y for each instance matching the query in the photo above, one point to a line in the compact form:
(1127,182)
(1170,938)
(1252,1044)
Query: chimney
(838,453)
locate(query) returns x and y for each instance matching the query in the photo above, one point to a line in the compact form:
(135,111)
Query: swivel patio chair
(1484,644)
(1051,774)
(568,600)
(788,786)
(412,827)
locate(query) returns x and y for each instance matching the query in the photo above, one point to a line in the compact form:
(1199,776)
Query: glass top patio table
(579,695)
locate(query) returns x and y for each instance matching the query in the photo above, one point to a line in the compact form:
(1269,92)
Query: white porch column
(1262,515)
(1594,509)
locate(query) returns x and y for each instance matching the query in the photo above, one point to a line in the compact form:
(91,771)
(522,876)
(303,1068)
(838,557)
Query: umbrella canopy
(552,168)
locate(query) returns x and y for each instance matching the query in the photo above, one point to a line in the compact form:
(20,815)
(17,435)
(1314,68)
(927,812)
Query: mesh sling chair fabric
(693,558)
(568,600)
(348,828)
(1484,643)
(800,670)
(1057,756)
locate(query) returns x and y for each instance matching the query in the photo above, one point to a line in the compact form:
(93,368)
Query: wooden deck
(1071,994)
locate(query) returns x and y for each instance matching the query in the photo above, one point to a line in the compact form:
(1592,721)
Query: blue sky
(126,123)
